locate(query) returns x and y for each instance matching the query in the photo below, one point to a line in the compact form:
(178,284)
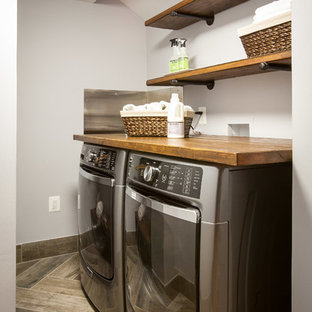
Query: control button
(150,173)
(163,178)
(101,161)
(91,156)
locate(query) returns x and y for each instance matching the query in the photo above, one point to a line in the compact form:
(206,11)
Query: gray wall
(302,150)
(64,47)
(8,39)
(263,101)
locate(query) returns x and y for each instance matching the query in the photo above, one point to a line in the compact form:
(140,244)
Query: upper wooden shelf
(206,75)
(201,8)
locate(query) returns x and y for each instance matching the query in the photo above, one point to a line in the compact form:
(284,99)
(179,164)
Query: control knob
(92,156)
(150,173)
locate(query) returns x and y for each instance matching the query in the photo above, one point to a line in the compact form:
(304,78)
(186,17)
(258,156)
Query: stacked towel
(128,107)
(188,108)
(271,10)
(154,106)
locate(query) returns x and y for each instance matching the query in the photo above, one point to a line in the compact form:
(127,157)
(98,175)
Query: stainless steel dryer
(207,238)
(100,222)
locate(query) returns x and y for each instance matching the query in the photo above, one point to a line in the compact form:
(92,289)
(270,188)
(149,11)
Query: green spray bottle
(183,57)
(174,60)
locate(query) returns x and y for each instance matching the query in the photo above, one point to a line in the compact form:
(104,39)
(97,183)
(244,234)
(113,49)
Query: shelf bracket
(209,84)
(209,19)
(265,66)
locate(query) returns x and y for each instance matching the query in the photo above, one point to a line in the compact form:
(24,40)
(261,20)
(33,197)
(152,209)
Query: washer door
(161,254)
(95,222)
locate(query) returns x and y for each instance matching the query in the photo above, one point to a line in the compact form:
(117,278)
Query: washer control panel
(177,178)
(99,157)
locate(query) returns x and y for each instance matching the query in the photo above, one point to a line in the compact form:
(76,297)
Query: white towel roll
(164,104)
(140,107)
(154,106)
(128,107)
(188,108)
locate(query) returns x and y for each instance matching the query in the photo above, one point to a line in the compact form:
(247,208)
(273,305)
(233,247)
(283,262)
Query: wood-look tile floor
(50,285)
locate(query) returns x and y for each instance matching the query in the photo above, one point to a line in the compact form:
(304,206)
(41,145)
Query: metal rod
(265,66)
(209,19)
(209,83)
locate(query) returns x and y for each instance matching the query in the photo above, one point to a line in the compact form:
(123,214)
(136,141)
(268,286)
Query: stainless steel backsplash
(102,107)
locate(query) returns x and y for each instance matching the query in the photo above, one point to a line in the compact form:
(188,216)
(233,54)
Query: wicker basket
(267,37)
(151,124)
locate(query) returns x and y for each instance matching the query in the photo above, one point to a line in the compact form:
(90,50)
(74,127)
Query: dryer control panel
(99,157)
(174,177)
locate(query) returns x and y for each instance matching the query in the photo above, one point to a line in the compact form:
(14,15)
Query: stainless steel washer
(203,237)
(100,222)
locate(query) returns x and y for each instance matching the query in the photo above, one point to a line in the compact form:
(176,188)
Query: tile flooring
(50,285)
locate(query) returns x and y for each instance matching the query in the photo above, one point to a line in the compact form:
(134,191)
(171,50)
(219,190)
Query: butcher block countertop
(234,151)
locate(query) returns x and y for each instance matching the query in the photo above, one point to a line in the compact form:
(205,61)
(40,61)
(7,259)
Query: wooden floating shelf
(200,8)
(234,151)
(245,67)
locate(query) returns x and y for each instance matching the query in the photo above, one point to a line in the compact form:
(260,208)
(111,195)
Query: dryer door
(162,241)
(95,222)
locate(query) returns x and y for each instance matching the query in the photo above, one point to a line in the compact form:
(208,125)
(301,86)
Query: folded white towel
(272,9)
(140,107)
(275,6)
(154,106)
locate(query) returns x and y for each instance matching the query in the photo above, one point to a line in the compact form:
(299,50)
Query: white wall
(148,8)
(8,39)
(65,46)
(263,101)
(302,149)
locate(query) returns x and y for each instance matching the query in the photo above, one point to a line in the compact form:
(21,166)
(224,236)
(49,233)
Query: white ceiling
(148,8)
(143,8)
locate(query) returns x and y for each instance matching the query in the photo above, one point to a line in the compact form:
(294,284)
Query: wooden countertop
(234,151)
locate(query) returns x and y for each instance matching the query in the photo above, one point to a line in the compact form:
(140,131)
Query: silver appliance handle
(97,179)
(186,214)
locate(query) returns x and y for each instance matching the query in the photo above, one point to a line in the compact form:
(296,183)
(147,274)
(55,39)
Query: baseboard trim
(47,248)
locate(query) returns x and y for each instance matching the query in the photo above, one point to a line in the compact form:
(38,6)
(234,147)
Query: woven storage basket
(267,37)
(151,124)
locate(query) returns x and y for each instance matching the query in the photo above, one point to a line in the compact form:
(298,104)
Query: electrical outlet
(54,203)
(203,117)
(238,130)
(78,202)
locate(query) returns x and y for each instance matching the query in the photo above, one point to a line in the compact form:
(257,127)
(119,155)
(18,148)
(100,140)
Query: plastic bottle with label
(175,117)
(183,57)
(174,60)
